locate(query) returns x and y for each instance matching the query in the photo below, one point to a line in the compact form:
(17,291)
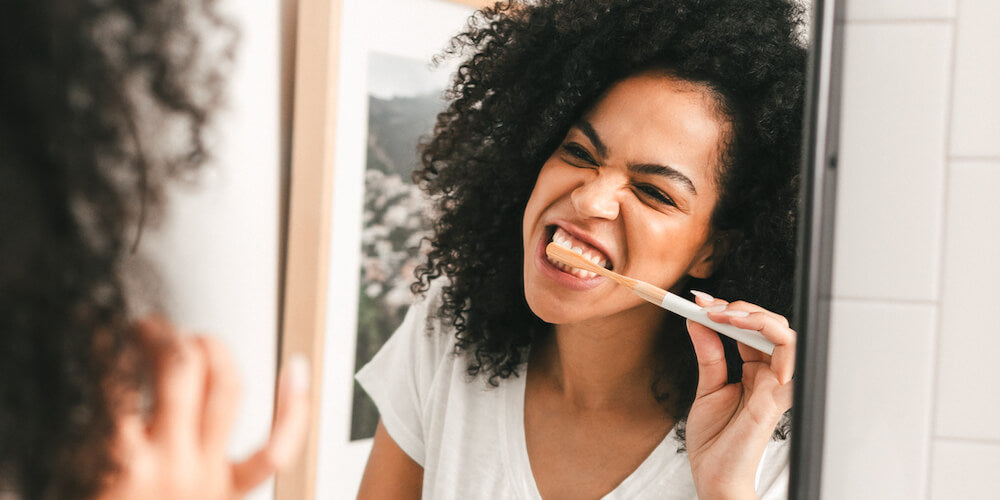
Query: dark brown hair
(82,81)
(535,69)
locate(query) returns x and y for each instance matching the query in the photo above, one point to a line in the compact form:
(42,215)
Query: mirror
(363,96)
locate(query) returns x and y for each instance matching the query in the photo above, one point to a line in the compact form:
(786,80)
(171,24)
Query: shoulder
(427,328)
(420,346)
(407,376)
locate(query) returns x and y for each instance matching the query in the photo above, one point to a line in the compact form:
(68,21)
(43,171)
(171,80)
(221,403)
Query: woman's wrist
(729,485)
(726,492)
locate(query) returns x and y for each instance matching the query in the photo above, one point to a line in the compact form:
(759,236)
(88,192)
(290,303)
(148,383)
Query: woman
(660,138)
(92,402)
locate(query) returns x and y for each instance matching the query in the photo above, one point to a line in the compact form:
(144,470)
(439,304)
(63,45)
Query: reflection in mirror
(660,140)
(136,149)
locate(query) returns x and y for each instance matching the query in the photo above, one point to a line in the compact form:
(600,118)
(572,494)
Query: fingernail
(715,309)
(298,373)
(736,314)
(702,295)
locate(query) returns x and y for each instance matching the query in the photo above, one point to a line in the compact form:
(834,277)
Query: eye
(578,152)
(654,193)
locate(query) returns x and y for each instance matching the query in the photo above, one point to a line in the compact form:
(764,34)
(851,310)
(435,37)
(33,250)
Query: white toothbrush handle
(693,312)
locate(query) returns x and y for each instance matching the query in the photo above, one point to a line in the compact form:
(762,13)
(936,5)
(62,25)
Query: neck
(608,363)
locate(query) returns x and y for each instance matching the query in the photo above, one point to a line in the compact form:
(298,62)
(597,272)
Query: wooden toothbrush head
(573,259)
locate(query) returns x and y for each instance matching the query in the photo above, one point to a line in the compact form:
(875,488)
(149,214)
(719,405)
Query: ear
(714,250)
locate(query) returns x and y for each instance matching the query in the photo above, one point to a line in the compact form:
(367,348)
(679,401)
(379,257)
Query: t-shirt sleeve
(399,377)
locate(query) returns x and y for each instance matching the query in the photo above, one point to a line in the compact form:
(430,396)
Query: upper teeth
(564,239)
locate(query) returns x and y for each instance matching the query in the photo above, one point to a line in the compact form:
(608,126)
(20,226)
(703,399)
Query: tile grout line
(968,440)
(903,20)
(975,158)
(935,355)
(886,300)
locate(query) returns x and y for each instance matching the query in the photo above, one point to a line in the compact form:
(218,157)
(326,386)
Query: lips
(564,238)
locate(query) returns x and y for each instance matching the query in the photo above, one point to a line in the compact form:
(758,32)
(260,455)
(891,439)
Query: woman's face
(633,186)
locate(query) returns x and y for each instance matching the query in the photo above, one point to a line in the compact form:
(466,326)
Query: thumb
(712,370)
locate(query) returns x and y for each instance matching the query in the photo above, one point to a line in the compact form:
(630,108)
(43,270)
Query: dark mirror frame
(815,254)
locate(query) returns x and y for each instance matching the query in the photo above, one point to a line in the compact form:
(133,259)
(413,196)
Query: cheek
(664,245)
(530,216)
(544,194)
(658,240)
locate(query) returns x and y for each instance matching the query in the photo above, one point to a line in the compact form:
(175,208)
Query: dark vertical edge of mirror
(815,255)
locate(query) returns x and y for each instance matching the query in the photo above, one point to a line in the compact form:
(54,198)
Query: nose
(598,197)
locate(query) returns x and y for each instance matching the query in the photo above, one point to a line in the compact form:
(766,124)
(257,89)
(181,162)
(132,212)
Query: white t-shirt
(469,437)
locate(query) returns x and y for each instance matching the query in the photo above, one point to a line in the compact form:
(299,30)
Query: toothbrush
(662,298)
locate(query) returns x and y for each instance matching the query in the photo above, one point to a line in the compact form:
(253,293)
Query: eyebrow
(588,130)
(665,171)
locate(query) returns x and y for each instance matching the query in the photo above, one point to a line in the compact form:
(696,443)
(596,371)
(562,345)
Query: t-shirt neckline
(514,450)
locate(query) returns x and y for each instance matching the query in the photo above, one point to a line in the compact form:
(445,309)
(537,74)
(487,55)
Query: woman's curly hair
(83,83)
(534,71)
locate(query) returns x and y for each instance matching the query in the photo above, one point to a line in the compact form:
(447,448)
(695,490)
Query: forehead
(661,118)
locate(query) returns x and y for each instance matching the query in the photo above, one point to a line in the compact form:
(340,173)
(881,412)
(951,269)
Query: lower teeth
(579,273)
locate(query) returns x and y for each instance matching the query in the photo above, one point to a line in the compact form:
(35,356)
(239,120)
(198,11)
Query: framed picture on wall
(366,91)
(403,97)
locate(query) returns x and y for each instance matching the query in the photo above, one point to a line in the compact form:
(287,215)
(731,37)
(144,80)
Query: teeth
(563,239)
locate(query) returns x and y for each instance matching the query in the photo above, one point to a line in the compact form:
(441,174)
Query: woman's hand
(179,449)
(729,425)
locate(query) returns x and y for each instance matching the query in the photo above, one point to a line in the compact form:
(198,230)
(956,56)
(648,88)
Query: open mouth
(564,239)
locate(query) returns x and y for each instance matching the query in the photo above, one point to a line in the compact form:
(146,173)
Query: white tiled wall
(895,87)
(968,399)
(896,10)
(913,411)
(879,457)
(964,470)
(975,129)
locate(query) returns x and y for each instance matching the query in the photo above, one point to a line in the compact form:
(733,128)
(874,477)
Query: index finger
(222,393)
(177,371)
(783,337)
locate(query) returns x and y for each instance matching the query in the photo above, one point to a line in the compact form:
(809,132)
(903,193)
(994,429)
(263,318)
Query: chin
(548,308)
(556,310)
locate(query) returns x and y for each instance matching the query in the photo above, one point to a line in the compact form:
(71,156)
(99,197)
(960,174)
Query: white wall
(217,251)
(912,407)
